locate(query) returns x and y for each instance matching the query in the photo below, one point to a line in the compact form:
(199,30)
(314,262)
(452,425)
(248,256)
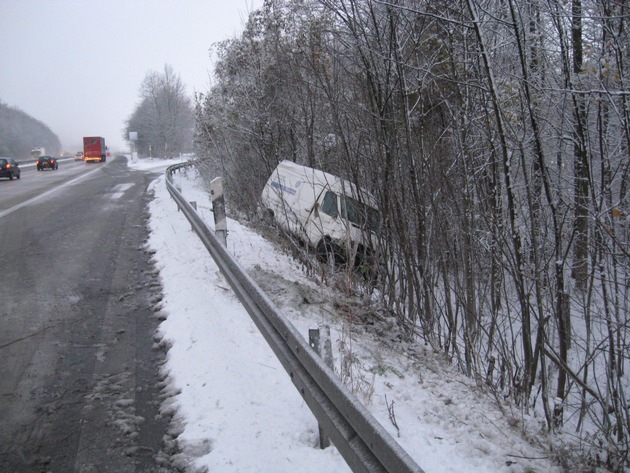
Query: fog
(77,66)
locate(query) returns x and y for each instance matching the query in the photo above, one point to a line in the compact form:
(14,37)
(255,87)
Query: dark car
(9,168)
(47,162)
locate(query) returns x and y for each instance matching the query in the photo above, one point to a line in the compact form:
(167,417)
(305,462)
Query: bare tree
(499,158)
(163,119)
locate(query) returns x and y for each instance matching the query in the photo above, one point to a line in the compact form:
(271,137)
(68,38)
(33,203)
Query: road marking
(120,189)
(45,194)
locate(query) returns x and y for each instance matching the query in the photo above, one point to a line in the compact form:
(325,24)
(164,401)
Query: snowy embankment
(234,406)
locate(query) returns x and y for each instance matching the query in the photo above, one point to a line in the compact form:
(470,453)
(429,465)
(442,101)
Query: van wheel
(268,216)
(325,251)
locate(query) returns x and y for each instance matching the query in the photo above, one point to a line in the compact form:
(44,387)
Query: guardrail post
(218,209)
(315,341)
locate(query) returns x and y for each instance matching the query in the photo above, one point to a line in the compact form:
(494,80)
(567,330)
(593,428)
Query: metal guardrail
(362,441)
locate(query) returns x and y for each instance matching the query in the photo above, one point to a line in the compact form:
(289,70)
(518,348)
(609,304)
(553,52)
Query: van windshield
(360,214)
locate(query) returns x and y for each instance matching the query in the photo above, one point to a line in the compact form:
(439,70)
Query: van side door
(324,219)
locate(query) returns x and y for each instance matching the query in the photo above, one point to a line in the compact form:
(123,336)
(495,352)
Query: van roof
(321,178)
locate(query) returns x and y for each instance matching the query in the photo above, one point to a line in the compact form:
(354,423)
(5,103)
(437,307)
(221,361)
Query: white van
(325,211)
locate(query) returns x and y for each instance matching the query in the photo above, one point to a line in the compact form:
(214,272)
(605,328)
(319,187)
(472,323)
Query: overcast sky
(77,65)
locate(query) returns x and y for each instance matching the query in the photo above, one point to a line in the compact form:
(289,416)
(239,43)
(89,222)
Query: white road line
(45,194)
(120,189)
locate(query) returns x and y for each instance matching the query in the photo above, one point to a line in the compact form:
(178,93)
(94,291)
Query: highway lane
(78,378)
(33,183)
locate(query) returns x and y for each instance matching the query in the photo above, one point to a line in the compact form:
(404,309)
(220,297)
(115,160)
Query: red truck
(94,149)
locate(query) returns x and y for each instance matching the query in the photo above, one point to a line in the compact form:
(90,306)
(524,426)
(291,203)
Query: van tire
(328,252)
(323,251)
(268,216)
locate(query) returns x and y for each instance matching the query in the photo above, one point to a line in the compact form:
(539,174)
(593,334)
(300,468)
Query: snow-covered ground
(234,406)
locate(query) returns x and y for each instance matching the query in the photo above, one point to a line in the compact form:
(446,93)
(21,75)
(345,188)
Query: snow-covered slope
(235,408)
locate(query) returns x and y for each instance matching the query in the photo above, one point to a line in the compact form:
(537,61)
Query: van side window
(329,204)
(360,214)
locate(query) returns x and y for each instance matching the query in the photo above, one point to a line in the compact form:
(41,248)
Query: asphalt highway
(79,370)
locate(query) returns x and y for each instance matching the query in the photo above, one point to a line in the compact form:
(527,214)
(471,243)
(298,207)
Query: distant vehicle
(9,168)
(78,156)
(37,152)
(326,212)
(47,162)
(94,149)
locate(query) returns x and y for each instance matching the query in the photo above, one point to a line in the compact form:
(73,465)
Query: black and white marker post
(218,209)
